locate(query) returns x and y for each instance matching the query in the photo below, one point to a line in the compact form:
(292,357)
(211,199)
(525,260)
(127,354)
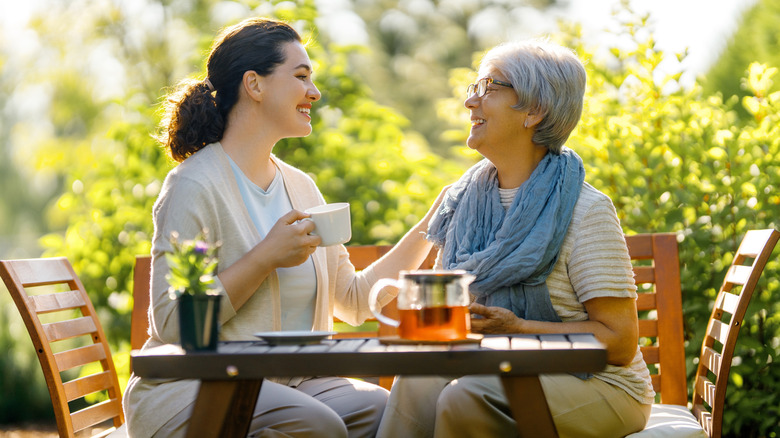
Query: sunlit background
(679,129)
(700,27)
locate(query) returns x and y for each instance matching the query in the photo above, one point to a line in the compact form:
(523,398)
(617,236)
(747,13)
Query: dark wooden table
(231,377)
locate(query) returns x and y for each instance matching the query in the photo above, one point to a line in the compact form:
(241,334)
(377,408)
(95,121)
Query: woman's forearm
(612,320)
(620,348)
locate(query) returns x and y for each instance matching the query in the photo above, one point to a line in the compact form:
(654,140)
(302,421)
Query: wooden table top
(518,355)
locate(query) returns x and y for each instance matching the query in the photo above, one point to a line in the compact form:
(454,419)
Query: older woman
(547,252)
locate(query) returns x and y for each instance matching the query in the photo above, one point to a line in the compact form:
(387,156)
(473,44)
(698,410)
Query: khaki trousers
(475,406)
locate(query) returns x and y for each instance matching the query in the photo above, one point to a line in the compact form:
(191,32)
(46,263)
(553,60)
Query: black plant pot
(199,322)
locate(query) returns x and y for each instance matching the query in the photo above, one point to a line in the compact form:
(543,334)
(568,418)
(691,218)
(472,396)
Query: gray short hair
(548,79)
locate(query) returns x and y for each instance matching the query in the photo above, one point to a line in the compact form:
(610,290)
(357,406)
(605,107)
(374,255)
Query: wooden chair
(68,337)
(139,323)
(709,388)
(659,303)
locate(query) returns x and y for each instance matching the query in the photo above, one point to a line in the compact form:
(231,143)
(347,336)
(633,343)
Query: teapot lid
(436,275)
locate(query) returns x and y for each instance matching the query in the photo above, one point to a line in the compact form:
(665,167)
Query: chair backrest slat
(727,303)
(78,322)
(78,357)
(755,243)
(717,331)
(644,274)
(738,275)
(640,246)
(55,302)
(651,355)
(711,358)
(706,389)
(717,352)
(96,414)
(91,384)
(704,416)
(646,300)
(61,330)
(42,272)
(648,328)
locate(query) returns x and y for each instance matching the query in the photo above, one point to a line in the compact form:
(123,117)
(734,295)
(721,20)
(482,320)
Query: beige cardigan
(202,193)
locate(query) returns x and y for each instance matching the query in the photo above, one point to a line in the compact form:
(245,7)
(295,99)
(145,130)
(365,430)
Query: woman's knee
(473,406)
(360,407)
(309,421)
(454,400)
(323,421)
(374,401)
(468,395)
(284,411)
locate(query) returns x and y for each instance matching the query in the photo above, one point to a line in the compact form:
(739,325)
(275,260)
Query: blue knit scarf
(510,252)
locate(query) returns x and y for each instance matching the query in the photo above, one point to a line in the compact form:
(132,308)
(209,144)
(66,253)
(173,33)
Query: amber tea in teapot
(432,305)
(442,323)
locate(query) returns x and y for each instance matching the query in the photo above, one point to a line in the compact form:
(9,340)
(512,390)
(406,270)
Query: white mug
(331,222)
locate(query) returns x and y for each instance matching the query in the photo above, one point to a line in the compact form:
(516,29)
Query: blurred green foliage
(672,159)
(755,40)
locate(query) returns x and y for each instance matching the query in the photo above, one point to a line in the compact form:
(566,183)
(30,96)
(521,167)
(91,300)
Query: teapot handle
(373,297)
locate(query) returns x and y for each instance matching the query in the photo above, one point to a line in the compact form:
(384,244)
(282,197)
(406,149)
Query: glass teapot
(432,304)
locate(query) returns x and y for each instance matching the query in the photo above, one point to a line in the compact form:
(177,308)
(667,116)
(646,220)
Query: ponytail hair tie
(209,85)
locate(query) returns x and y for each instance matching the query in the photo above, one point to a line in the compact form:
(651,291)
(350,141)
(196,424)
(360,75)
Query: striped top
(507,196)
(594,262)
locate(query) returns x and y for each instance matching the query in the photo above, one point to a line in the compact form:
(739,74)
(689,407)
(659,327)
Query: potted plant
(192,264)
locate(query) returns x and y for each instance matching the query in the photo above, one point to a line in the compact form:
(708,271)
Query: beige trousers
(318,407)
(475,406)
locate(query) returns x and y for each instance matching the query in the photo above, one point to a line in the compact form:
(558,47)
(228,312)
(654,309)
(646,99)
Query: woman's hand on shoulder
(288,242)
(493,320)
(440,198)
(434,207)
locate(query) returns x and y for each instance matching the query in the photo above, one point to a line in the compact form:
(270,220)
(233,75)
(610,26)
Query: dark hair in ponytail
(196,112)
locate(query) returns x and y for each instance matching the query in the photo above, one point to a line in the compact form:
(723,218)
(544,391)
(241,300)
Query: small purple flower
(201,247)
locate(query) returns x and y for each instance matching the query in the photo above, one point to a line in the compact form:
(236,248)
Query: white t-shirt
(298,284)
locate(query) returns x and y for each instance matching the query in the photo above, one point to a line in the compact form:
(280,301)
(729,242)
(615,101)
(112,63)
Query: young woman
(547,252)
(223,129)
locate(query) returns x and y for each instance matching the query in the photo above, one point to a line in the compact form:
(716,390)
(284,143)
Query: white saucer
(293,337)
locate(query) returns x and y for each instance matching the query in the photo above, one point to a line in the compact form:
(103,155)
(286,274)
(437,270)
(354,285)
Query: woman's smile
(305,110)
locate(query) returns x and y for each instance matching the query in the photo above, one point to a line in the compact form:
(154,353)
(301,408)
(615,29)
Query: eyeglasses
(482,85)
